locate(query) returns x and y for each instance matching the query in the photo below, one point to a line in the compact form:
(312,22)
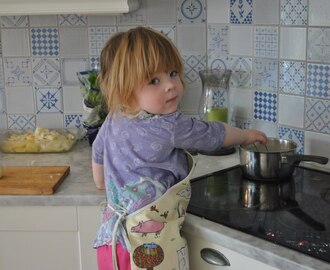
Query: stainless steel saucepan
(274,161)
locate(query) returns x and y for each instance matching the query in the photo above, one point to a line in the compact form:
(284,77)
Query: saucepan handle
(295,159)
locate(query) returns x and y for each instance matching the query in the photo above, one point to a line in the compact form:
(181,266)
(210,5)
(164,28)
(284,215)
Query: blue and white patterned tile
(70,67)
(131,19)
(21,121)
(318,45)
(3,121)
(98,36)
(241,72)
(191,11)
(265,74)
(292,77)
(296,135)
(294,12)
(137,17)
(318,80)
(3,107)
(220,97)
(169,31)
(217,38)
(193,63)
(44,42)
(266,41)
(94,62)
(2,77)
(317,115)
(241,123)
(72,20)
(15,42)
(14,21)
(218,61)
(265,106)
(17,71)
(241,11)
(46,71)
(44,21)
(48,99)
(73,120)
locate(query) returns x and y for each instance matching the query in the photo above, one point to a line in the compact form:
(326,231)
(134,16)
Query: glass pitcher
(214,102)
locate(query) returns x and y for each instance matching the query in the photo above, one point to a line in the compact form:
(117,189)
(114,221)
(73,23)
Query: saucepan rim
(273,146)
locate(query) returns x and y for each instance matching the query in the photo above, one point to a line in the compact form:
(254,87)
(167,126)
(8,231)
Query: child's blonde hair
(128,60)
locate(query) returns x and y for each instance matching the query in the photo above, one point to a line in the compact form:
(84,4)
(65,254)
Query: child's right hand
(237,136)
(254,135)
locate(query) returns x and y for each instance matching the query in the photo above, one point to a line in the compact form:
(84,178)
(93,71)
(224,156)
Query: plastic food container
(40,140)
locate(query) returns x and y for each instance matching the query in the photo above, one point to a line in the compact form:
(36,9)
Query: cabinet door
(237,261)
(89,221)
(33,238)
(39,250)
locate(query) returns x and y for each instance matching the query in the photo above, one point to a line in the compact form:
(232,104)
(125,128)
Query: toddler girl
(139,153)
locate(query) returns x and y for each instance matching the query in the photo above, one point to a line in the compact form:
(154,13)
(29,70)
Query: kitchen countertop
(78,189)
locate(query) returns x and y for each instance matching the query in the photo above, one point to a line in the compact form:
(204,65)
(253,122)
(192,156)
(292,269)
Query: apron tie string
(121,213)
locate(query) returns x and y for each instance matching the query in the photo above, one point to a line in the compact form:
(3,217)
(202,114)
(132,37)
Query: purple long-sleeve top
(144,156)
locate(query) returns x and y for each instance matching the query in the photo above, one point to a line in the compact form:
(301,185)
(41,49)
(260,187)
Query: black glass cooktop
(294,213)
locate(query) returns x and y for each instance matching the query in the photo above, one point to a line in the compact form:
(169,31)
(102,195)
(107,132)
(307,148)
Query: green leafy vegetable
(92,97)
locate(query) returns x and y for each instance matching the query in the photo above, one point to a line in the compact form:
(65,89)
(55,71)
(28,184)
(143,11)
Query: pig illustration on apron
(152,234)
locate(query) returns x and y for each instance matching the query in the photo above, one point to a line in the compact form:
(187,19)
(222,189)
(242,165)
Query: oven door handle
(214,257)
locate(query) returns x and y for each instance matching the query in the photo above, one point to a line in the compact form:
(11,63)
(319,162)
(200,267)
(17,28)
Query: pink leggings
(104,258)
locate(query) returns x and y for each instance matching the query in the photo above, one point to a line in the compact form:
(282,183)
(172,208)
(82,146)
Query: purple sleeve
(98,145)
(193,133)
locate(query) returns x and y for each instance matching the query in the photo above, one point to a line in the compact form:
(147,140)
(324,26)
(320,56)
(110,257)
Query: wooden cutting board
(32,180)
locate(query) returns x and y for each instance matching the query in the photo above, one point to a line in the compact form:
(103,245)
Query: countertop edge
(253,247)
(51,200)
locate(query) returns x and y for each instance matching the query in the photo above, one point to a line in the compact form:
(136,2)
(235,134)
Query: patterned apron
(153,232)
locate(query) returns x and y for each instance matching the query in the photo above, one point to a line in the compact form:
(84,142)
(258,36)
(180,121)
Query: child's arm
(236,136)
(98,175)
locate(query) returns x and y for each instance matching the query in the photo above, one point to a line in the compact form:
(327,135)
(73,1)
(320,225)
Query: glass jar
(214,102)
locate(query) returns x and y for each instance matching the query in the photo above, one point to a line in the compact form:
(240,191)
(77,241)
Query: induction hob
(294,213)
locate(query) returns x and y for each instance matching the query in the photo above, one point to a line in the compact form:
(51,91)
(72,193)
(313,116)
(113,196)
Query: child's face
(160,95)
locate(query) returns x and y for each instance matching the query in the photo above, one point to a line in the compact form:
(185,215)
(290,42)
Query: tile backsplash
(278,50)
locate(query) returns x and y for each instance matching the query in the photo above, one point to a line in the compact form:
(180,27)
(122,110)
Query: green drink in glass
(219,114)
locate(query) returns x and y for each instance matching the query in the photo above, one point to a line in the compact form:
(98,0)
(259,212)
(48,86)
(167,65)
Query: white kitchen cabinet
(46,7)
(48,237)
(38,250)
(237,261)
(89,221)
